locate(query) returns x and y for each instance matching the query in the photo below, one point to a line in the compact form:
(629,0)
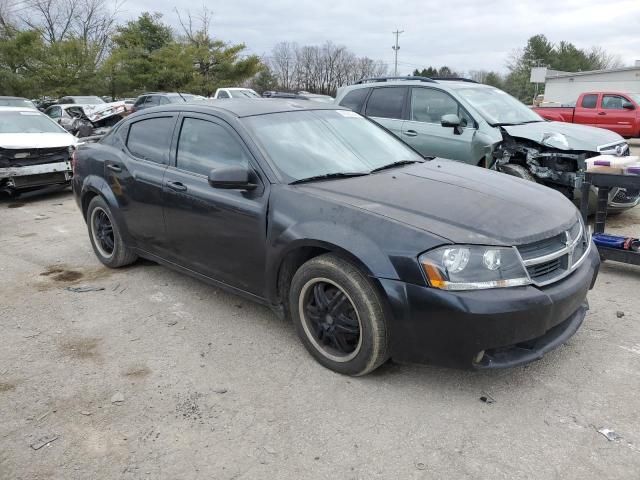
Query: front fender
(96,185)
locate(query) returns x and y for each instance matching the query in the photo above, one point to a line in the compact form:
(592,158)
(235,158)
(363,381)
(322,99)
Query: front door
(216,232)
(613,116)
(424,132)
(136,178)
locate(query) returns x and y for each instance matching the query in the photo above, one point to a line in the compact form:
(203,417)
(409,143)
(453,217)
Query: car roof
(12,98)
(18,109)
(246,107)
(443,84)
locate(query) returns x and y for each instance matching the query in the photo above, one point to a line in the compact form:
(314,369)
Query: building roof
(551,74)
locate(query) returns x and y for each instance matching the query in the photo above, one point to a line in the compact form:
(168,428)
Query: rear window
(589,101)
(355,99)
(386,102)
(150,139)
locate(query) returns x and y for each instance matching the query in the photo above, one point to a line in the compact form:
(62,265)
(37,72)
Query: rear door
(586,112)
(613,116)
(386,105)
(216,232)
(136,178)
(424,132)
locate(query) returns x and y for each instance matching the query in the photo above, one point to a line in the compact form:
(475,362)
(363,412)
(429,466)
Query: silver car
(482,125)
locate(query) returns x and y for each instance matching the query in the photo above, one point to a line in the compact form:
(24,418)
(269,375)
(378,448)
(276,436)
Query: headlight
(473,267)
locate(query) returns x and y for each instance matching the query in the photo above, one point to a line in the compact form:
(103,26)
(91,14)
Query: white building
(565,87)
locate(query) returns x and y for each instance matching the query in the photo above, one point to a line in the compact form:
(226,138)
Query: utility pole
(396,47)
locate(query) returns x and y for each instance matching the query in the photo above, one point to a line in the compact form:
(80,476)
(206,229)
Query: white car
(34,151)
(235,92)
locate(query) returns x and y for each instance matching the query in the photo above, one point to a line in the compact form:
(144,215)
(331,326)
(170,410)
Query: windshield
(16,102)
(635,97)
(243,94)
(498,107)
(27,122)
(303,144)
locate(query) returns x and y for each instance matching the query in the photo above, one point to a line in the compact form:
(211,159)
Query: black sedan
(371,250)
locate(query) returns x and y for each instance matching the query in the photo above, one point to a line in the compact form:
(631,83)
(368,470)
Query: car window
(223,94)
(430,105)
(140,101)
(613,102)
(204,146)
(386,102)
(150,139)
(164,101)
(54,112)
(589,101)
(355,99)
(152,101)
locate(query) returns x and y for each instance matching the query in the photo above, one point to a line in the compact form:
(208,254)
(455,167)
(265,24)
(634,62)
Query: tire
(516,170)
(330,285)
(107,242)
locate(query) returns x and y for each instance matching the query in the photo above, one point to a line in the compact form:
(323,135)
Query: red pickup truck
(619,112)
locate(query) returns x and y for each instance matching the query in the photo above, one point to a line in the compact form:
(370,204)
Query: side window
(589,101)
(430,105)
(612,102)
(164,101)
(150,139)
(54,112)
(204,145)
(140,101)
(152,101)
(355,99)
(223,94)
(386,102)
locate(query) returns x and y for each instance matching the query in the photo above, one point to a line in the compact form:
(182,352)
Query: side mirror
(452,120)
(231,178)
(628,105)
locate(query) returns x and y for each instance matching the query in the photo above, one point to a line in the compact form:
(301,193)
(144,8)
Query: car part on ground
(34,151)
(482,125)
(324,216)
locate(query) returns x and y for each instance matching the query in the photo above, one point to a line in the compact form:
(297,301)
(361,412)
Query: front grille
(549,260)
(41,179)
(626,196)
(32,156)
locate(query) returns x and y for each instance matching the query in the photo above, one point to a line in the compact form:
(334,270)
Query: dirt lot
(157,375)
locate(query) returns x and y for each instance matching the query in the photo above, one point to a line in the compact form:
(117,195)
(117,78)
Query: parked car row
(331,220)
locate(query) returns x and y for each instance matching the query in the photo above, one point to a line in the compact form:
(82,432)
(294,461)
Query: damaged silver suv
(481,125)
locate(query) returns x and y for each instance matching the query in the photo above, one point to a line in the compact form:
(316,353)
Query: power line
(396,47)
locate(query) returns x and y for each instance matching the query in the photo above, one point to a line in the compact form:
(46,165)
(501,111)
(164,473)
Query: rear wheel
(516,170)
(105,236)
(339,315)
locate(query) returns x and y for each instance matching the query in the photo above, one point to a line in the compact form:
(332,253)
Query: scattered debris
(610,434)
(41,217)
(171,323)
(635,349)
(619,314)
(84,289)
(32,335)
(41,417)
(270,450)
(117,398)
(486,398)
(220,390)
(44,441)
(85,412)
(421,466)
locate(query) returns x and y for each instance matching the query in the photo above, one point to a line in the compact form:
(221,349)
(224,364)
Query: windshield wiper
(395,164)
(329,176)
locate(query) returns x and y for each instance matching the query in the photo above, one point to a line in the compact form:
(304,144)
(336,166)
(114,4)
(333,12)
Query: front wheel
(339,315)
(105,236)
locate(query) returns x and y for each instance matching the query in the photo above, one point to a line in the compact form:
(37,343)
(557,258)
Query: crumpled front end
(27,169)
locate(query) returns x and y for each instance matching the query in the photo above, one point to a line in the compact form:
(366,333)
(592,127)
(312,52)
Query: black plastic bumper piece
(532,350)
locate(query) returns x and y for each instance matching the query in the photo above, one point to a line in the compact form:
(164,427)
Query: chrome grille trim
(564,264)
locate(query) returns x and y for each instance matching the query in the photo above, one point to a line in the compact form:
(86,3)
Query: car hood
(36,140)
(579,137)
(458,202)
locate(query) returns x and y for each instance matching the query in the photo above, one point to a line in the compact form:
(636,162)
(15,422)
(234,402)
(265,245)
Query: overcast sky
(463,34)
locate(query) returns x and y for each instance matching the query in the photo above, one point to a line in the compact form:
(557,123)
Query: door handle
(602,113)
(177,186)
(113,167)
(411,133)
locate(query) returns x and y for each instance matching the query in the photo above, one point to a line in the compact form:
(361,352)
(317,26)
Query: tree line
(538,52)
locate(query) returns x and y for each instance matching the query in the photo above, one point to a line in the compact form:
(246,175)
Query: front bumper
(36,175)
(512,326)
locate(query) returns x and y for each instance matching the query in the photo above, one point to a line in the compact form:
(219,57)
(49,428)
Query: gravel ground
(160,376)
